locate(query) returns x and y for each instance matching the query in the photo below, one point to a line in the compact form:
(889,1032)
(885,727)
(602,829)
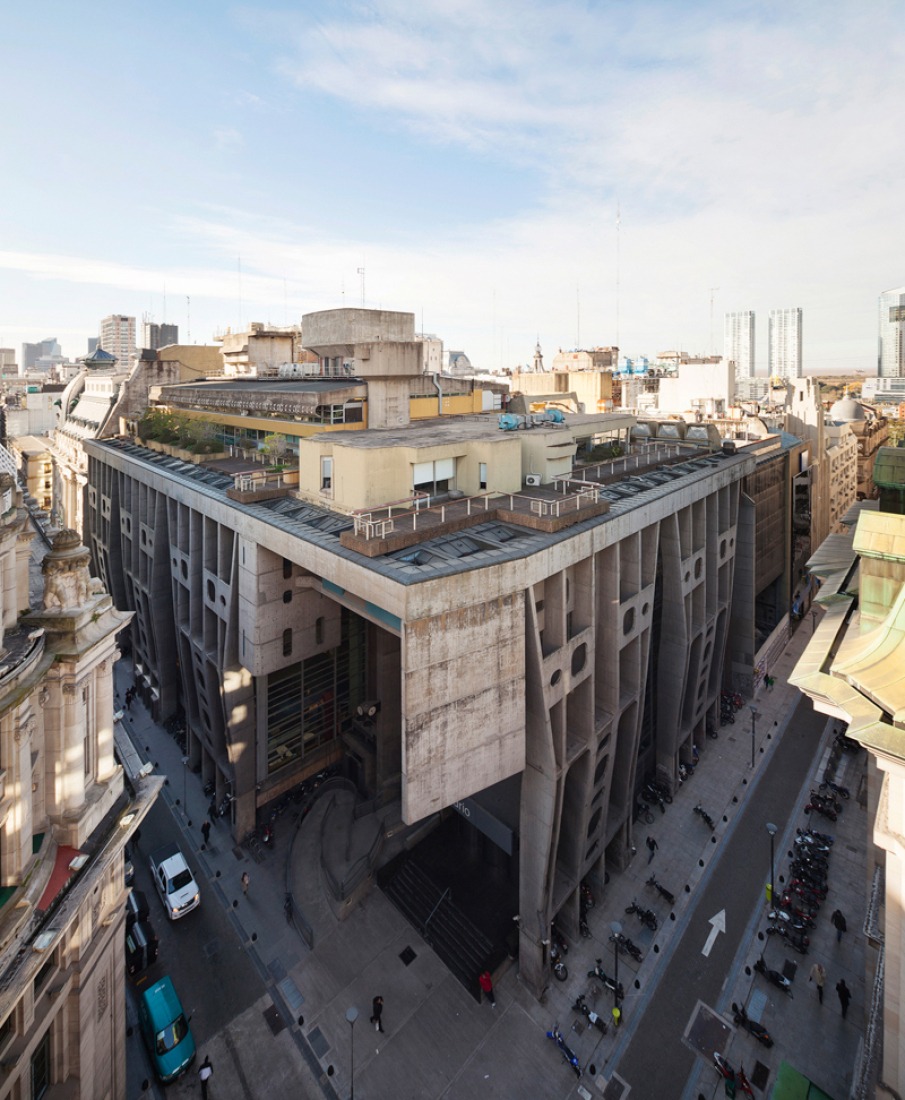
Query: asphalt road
(735,885)
(201,952)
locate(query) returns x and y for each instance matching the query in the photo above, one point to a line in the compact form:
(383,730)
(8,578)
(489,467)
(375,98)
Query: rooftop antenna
(164,303)
(361,272)
(618,225)
(188,319)
(577,318)
(713,291)
(239,263)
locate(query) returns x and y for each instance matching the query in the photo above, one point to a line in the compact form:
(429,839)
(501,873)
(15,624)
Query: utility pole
(713,291)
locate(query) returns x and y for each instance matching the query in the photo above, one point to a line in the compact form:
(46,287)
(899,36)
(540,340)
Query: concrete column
(102,686)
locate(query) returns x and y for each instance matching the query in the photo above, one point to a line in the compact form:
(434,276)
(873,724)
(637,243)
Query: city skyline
(468,165)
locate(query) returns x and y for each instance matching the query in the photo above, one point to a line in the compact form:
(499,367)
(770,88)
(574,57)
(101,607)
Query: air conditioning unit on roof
(532,479)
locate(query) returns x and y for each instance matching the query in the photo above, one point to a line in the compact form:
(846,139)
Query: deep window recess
(40,1068)
(310,702)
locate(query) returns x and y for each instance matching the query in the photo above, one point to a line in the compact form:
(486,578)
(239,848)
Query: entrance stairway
(461,946)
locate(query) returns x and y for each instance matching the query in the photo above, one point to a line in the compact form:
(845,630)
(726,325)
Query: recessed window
(287,569)
(628,621)
(287,643)
(211,591)
(287,596)
(319,630)
(556,677)
(326,474)
(578,658)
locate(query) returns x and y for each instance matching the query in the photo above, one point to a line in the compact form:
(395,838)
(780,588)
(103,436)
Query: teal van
(166,1030)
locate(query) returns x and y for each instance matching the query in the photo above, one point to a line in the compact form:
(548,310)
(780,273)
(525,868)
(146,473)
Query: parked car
(136,907)
(166,1030)
(174,881)
(142,946)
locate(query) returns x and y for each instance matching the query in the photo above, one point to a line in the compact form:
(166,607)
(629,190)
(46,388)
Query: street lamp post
(771,829)
(352,1016)
(753,710)
(616,929)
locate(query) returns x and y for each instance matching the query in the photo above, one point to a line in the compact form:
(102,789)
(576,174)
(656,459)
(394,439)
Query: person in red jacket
(486,983)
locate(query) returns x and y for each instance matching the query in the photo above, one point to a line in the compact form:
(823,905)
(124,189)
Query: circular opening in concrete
(556,677)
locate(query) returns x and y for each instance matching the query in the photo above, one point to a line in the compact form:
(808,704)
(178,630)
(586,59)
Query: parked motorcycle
(799,924)
(610,983)
(828,784)
(568,1055)
(661,890)
(733,1080)
(587,898)
(774,977)
(827,800)
(647,917)
(586,1010)
(654,797)
(796,940)
(742,1019)
(794,903)
(559,967)
(625,946)
(812,839)
(702,813)
(824,811)
(807,889)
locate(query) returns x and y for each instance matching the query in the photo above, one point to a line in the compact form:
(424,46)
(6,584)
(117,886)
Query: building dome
(846,410)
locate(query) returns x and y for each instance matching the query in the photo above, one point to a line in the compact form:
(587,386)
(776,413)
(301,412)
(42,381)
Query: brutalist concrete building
(472,614)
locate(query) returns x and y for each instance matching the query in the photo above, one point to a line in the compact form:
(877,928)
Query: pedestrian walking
(244,881)
(818,977)
(129,694)
(212,809)
(652,847)
(845,995)
(376,1013)
(839,924)
(486,983)
(206,830)
(205,1073)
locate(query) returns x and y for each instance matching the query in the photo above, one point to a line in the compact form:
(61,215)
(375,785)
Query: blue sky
(472,157)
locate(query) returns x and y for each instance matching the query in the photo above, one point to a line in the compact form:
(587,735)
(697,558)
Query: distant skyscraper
(738,341)
(31,353)
(784,343)
(891,360)
(117,335)
(154,336)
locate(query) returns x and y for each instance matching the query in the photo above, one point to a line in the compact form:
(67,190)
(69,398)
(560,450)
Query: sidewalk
(438,1040)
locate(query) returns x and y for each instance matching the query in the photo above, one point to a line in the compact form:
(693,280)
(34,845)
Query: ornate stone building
(65,815)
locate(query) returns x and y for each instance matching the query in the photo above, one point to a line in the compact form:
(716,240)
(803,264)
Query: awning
(59,877)
(834,555)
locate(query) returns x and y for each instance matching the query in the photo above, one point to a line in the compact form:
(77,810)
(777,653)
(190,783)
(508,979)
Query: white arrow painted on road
(718,924)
